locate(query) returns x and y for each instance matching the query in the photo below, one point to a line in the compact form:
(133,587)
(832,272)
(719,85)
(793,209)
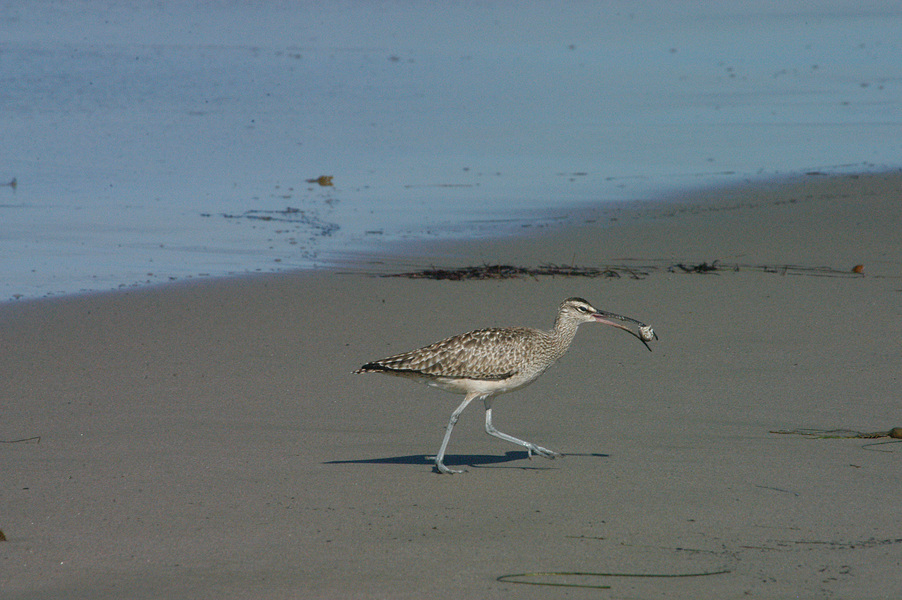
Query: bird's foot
(540,451)
(441,468)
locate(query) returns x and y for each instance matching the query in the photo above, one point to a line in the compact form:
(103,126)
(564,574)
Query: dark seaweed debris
(613,272)
(895,432)
(699,268)
(511,272)
(717,267)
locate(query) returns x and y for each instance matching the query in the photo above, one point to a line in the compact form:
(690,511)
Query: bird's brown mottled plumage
(487,362)
(489,354)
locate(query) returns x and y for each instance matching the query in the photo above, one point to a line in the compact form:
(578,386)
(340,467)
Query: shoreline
(207,439)
(380,258)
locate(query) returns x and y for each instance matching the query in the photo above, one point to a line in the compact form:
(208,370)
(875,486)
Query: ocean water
(146,142)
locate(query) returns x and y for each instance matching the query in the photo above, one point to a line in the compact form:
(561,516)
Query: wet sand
(208,440)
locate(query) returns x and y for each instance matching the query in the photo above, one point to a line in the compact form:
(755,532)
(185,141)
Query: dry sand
(209,440)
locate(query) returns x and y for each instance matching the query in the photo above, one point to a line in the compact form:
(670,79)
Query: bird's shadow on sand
(466,460)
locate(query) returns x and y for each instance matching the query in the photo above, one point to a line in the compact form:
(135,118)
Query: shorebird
(488,362)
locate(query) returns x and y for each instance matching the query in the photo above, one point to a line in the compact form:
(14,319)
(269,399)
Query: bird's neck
(563,333)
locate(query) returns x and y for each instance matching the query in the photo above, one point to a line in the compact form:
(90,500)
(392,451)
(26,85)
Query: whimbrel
(488,362)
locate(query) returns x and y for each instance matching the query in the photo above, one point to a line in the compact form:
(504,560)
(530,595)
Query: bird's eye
(582,309)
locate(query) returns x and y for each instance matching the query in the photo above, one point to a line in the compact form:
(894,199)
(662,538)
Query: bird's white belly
(482,386)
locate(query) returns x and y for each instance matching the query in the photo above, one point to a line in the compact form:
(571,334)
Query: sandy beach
(209,440)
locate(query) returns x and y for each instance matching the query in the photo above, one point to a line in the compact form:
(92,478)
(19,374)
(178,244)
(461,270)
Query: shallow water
(150,143)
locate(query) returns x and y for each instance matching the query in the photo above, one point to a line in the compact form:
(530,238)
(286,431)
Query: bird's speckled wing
(487,354)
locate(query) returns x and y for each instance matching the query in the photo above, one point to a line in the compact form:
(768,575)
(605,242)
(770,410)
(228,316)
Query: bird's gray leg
(530,447)
(440,457)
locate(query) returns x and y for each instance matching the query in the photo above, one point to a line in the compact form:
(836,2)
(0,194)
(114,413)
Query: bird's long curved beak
(646,333)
